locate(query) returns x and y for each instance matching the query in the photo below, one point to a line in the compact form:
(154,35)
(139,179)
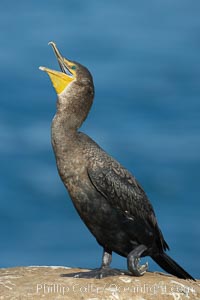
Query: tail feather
(170,266)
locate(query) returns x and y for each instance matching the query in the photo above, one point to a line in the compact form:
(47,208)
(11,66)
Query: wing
(124,193)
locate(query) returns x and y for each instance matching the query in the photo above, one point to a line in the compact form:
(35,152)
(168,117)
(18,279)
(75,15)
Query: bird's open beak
(63,62)
(60,80)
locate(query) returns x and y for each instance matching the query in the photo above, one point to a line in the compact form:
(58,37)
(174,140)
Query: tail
(170,266)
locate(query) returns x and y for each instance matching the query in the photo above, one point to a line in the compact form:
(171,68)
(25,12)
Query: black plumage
(107,197)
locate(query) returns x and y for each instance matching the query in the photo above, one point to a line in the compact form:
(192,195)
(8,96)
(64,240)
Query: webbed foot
(133,260)
(98,273)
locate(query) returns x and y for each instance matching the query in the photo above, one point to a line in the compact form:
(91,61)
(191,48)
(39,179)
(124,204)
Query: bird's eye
(73,67)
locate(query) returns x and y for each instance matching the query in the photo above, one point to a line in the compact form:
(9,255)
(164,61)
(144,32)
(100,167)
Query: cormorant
(107,197)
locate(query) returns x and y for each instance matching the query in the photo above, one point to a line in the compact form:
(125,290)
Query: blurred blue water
(145,60)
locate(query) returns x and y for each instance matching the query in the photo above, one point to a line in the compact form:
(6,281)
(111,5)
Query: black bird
(107,197)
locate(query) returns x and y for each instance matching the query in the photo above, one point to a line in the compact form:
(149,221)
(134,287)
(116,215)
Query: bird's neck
(73,106)
(63,132)
(65,141)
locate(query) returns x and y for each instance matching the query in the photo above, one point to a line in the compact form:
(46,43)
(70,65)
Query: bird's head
(74,87)
(71,72)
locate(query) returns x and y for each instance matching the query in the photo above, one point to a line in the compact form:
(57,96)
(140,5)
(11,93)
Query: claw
(143,268)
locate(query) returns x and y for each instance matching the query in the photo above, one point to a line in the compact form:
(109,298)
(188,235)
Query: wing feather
(124,193)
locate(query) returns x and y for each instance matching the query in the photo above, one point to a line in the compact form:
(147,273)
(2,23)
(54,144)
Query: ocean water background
(145,60)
